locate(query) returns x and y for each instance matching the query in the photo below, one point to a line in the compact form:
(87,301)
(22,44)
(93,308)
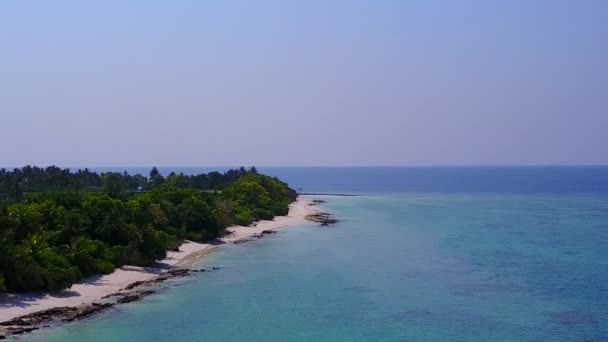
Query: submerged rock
(172,273)
(19,331)
(129,298)
(147,292)
(178,272)
(324,219)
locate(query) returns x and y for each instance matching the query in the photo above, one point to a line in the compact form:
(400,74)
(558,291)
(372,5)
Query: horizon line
(308,166)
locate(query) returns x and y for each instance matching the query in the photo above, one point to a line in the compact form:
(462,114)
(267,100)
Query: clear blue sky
(341,82)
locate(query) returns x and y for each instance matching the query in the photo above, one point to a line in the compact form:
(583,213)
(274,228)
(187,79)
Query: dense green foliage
(58,226)
(18,182)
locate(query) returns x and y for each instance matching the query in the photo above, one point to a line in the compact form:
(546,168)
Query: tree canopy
(57,226)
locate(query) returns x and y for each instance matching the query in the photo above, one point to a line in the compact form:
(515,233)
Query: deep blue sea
(422,254)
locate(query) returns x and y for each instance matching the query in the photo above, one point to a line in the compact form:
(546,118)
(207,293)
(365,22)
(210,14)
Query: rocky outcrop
(129,298)
(255,236)
(324,219)
(36,320)
(134,292)
(17,331)
(39,317)
(172,273)
(86,311)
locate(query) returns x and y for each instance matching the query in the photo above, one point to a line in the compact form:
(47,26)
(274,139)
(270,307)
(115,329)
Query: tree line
(17,182)
(57,226)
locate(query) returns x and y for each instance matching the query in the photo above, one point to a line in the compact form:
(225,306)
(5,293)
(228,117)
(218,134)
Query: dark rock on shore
(129,298)
(172,273)
(17,321)
(147,292)
(30,322)
(179,272)
(36,320)
(86,311)
(132,297)
(255,236)
(19,331)
(40,316)
(133,285)
(115,294)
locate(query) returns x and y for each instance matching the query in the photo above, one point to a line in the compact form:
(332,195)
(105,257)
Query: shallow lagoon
(417,267)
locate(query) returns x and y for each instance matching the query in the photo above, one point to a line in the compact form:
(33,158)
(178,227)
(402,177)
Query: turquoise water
(410,267)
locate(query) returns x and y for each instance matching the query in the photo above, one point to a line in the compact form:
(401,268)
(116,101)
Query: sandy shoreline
(93,288)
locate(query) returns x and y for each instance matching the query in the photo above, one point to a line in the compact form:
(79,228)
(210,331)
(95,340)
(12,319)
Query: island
(73,243)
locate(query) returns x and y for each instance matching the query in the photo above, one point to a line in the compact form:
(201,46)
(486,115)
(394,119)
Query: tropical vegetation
(58,226)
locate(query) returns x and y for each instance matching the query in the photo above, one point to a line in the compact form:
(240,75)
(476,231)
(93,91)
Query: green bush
(25,274)
(196,236)
(244,218)
(262,214)
(85,263)
(57,278)
(120,255)
(280,209)
(103,266)
(51,257)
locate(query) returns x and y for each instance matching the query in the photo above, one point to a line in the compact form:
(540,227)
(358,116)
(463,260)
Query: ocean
(421,254)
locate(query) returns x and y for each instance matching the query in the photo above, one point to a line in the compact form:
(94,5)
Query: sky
(303,83)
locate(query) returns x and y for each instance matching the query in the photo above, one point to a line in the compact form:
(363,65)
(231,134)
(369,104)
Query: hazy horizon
(165,167)
(287,83)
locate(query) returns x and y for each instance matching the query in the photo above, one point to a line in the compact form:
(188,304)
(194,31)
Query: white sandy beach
(94,288)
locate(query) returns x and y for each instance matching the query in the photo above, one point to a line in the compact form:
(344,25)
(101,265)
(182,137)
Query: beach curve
(96,287)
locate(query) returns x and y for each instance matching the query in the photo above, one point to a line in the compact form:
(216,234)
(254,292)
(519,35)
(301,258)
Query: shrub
(103,266)
(57,278)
